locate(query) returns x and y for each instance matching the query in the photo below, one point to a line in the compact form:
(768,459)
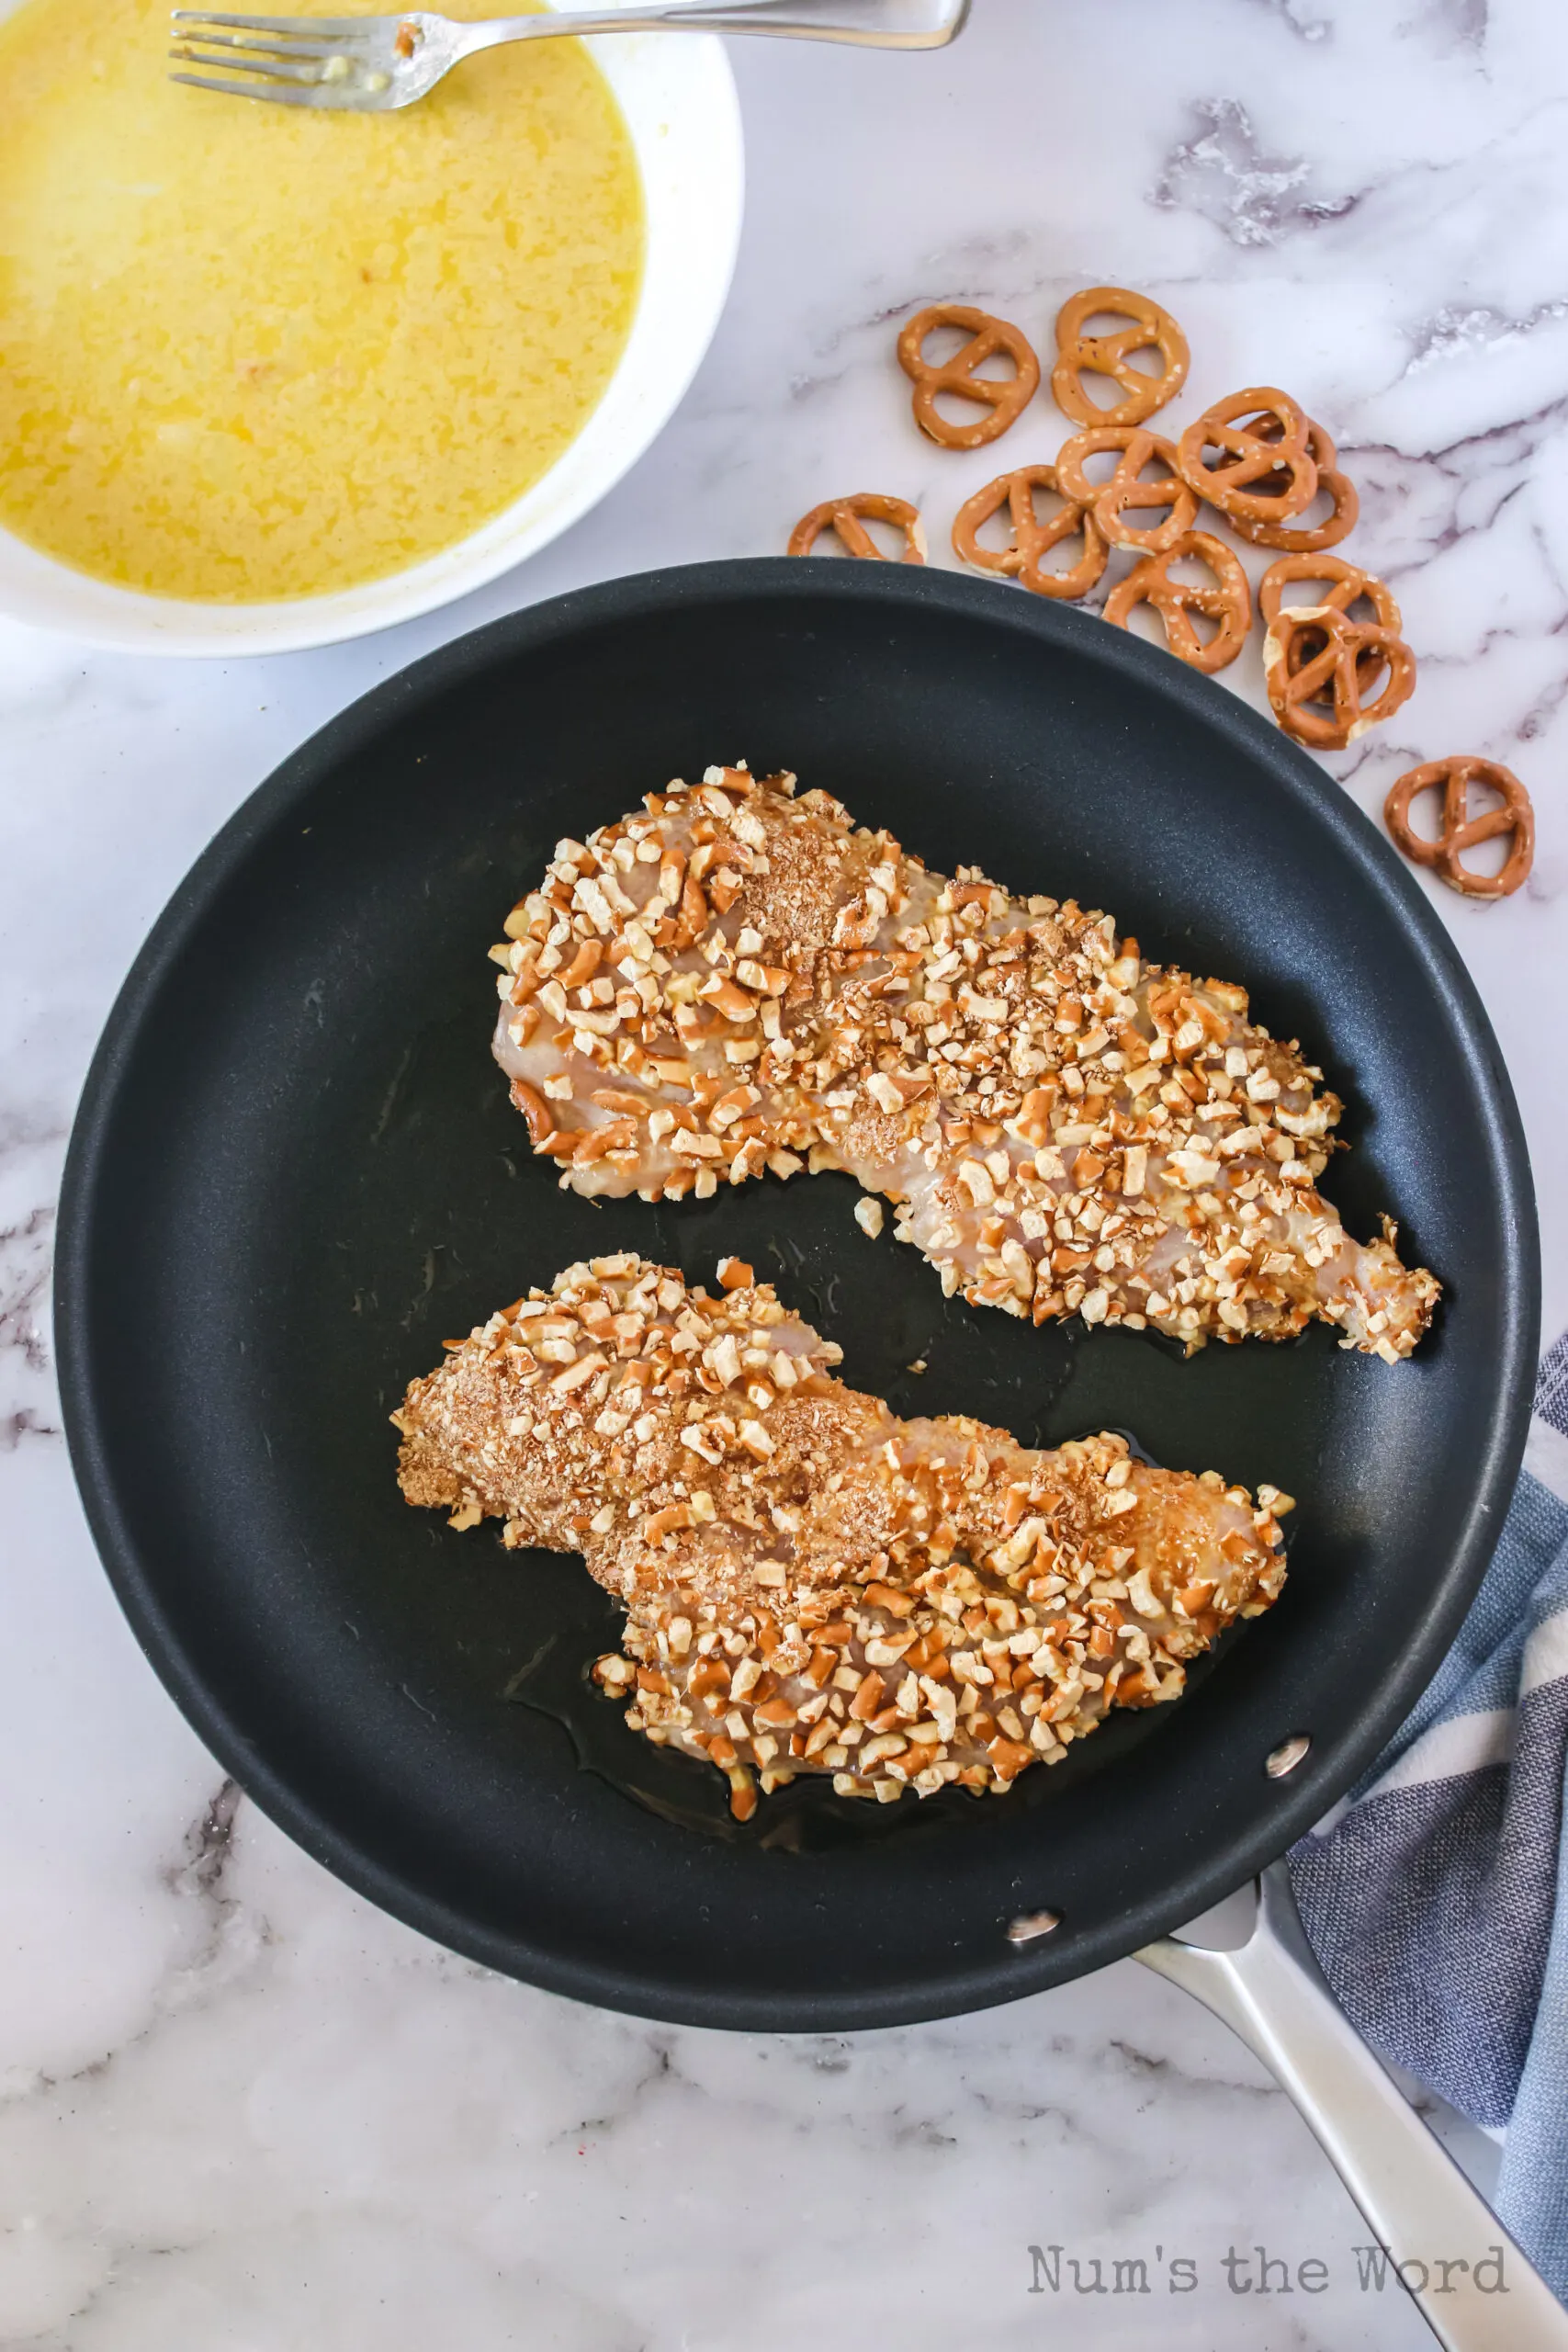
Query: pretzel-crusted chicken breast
(812,1585)
(736,979)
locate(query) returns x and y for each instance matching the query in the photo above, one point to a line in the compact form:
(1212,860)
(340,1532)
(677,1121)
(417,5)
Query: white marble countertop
(238,2108)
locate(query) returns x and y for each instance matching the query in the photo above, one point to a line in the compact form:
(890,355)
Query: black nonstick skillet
(296,1171)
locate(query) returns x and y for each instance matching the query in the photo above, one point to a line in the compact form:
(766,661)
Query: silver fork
(371,65)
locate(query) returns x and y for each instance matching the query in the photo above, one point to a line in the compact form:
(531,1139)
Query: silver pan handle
(1417,2202)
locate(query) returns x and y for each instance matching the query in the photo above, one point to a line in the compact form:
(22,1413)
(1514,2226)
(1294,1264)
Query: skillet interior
(295,1172)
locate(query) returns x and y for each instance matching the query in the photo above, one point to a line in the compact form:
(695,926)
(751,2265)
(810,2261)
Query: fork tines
(189,24)
(288,60)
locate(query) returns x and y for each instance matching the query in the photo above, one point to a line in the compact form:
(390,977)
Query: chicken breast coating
(812,1585)
(736,979)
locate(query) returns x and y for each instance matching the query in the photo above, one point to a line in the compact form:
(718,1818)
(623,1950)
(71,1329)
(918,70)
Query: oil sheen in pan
(805,1817)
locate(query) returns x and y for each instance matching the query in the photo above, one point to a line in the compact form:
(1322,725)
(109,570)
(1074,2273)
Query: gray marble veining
(243,2112)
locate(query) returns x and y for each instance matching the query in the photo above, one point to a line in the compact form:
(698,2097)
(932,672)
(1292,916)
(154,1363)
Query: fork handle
(866,24)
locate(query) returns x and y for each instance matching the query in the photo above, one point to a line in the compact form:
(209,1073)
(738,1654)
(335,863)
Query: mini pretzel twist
(1315,653)
(1345,584)
(1005,397)
(1281,463)
(1229,603)
(1461,830)
(1122,489)
(1314,539)
(842,517)
(1032,539)
(1111,355)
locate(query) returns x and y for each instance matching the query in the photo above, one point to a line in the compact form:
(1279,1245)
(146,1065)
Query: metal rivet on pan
(1287,1756)
(1030,1923)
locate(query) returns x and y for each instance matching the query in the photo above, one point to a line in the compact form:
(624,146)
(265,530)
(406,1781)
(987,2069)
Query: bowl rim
(131,621)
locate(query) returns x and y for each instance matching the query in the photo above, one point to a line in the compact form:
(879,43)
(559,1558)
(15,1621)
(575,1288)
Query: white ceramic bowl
(678,96)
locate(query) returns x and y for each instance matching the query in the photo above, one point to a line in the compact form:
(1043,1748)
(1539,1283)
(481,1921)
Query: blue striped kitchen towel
(1436,1898)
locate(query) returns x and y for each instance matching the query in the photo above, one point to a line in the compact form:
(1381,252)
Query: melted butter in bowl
(249,352)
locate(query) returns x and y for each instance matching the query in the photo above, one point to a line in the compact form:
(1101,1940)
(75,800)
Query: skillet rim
(1503,1408)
